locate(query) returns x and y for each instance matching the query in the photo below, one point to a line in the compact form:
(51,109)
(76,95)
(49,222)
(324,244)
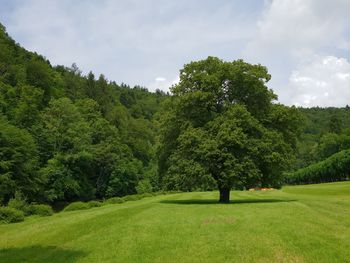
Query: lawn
(296,224)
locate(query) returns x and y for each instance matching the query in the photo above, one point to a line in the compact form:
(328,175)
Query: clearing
(309,223)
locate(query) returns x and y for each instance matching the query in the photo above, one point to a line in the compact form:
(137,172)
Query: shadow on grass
(39,254)
(232,202)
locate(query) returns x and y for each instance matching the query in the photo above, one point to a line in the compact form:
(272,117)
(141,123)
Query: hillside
(325,132)
(66,136)
(295,224)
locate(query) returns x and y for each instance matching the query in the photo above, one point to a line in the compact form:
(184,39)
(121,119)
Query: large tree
(222,126)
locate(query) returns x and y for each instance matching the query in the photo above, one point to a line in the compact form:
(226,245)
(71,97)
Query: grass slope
(297,224)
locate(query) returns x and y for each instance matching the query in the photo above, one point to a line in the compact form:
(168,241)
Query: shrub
(144,186)
(94,204)
(19,203)
(76,206)
(41,210)
(11,215)
(132,197)
(115,200)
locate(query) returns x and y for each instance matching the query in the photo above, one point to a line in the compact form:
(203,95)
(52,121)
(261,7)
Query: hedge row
(10,214)
(18,208)
(335,168)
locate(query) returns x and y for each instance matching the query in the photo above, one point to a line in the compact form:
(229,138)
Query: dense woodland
(66,136)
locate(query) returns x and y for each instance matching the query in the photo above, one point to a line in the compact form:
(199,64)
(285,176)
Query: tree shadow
(39,254)
(216,202)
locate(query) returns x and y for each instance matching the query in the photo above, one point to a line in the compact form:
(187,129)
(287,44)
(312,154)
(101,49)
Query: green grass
(297,224)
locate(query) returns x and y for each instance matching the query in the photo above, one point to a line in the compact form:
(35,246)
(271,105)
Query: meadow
(308,223)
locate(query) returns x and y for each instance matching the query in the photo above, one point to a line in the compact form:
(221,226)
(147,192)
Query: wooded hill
(67,136)
(326,131)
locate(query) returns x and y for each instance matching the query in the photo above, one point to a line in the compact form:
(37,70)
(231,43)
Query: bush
(11,215)
(94,204)
(41,210)
(131,197)
(76,206)
(19,203)
(144,186)
(115,200)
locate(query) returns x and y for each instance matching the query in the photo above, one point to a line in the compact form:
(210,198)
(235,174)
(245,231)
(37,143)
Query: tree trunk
(224,195)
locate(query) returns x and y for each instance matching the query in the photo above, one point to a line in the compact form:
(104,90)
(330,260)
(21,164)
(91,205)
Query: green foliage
(60,181)
(65,136)
(323,134)
(335,124)
(115,200)
(92,204)
(76,206)
(288,121)
(19,203)
(123,179)
(331,143)
(220,129)
(40,209)
(207,86)
(131,197)
(18,160)
(332,169)
(144,186)
(10,215)
(21,104)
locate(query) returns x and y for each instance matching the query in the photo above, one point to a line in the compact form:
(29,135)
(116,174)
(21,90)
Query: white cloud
(297,25)
(325,81)
(162,83)
(160,79)
(296,32)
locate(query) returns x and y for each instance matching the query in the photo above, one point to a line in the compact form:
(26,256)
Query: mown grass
(296,224)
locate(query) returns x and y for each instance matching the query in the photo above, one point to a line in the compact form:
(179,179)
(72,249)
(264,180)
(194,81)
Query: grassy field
(296,224)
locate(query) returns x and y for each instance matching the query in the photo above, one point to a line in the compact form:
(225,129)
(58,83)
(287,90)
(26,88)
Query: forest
(66,136)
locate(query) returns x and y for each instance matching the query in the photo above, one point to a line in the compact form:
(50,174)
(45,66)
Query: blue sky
(304,43)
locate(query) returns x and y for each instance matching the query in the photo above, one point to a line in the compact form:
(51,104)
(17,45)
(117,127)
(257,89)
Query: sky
(305,44)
